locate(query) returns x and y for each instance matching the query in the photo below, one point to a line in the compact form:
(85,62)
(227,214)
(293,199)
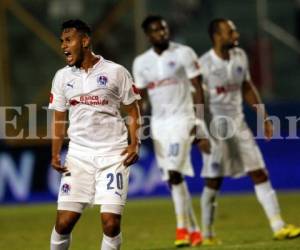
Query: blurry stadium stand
(30,55)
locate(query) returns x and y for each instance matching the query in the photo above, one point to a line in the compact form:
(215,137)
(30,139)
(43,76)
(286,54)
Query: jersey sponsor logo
(73,102)
(163,82)
(65,189)
(89,100)
(227,88)
(51,98)
(102,80)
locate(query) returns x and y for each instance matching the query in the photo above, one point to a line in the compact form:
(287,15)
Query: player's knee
(175,178)
(65,221)
(213,183)
(258,176)
(63,225)
(111,225)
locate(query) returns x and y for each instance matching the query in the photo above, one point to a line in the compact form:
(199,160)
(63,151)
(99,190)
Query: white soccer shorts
(233,157)
(94,180)
(172,146)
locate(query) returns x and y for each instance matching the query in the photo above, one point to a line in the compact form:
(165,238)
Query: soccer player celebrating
(165,72)
(234,152)
(96,170)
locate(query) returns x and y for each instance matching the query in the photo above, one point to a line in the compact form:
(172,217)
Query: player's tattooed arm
(252,98)
(58,126)
(133,124)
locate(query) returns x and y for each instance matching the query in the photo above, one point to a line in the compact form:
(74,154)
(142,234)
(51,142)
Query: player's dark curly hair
(213,27)
(79,25)
(150,19)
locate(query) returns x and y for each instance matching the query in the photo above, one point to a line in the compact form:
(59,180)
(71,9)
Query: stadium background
(30,55)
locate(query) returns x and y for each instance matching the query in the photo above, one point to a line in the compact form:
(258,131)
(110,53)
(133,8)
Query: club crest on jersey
(239,70)
(172,64)
(102,80)
(65,189)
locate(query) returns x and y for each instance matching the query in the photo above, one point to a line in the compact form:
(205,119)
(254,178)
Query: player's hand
(268,127)
(56,164)
(132,157)
(204,145)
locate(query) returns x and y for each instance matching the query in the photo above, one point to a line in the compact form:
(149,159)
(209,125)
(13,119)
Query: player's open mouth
(69,56)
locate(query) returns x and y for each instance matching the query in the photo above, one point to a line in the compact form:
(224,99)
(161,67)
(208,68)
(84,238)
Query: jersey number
(119,179)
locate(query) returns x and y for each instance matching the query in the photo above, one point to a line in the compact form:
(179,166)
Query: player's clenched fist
(132,157)
(268,126)
(56,164)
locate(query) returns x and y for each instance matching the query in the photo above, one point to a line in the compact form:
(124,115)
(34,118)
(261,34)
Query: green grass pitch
(150,225)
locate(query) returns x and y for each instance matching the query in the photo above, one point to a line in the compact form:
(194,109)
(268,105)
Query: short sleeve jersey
(93,99)
(166,78)
(223,81)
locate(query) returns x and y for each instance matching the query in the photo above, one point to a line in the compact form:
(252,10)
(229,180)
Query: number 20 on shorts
(114,180)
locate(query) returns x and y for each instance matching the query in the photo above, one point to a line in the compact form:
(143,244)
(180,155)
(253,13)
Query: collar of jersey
(78,70)
(171,46)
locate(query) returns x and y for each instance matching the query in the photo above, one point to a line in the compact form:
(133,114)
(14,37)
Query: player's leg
(111,225)
(193,226)
(68,214)
(75,192)
(178,191)
(267,197)
(255,167)
(208,208)
(112,179)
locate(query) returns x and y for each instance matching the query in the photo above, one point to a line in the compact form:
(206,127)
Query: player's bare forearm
(133,113)
(198,96)
(144,102)
(58,133)
(252,97)
(134,117)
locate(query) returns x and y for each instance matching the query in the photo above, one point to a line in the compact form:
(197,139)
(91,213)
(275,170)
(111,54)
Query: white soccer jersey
(93,99)
(166,78)
(223,81)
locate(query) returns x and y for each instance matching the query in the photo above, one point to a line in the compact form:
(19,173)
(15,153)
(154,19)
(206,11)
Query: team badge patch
(102,80)
(239,70)
(172,64)
(65,188)
(215,166)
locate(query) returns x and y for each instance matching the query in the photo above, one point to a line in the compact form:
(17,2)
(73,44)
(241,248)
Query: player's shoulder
(63,72)
(180,48)
(205,58)
(112,67)
(141,58)
(237,51)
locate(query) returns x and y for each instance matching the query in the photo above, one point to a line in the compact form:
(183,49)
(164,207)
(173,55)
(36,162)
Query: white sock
(208,207)
(179,199)
(59,241)
(267,197)
(111,243)
(192,220)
